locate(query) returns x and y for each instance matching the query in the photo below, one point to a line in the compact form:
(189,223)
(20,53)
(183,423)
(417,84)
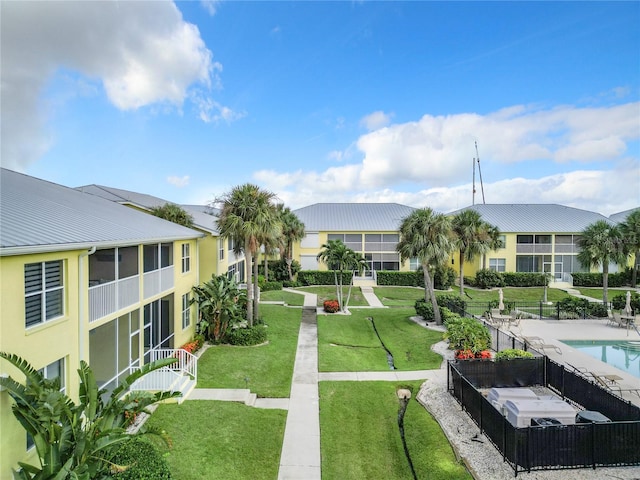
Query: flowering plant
(331,306)
(468,354)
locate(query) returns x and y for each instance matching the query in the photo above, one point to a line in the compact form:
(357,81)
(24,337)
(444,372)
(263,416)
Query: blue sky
(328,101)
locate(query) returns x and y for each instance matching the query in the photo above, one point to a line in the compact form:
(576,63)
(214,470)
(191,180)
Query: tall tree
(292,231)
(472,238)
(247,215)
(631,231)
(601,244)
(174,213)
(337,257)
(427,236)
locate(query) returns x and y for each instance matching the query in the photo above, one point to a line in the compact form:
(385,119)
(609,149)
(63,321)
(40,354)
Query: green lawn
(265,369)
(328,292)
(293,299)
(513,294)
(221,440)
(597,292)
(398,296)
(360,438)
(348,343)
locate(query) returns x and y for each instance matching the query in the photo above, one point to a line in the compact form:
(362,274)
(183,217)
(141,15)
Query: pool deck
(553,331)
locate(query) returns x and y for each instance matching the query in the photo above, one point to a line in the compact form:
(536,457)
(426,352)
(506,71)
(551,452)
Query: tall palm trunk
(605,280)
(461,261)
(256,291)
(430,294)
(248,266)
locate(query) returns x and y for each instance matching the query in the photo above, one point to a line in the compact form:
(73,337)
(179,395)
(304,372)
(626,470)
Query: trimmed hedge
(321,277)
(583,279)
(491,279)
(620,301)
(402,279)
(247,336)
(144,461)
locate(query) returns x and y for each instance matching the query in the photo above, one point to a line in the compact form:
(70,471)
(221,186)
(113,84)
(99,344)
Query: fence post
(540,306)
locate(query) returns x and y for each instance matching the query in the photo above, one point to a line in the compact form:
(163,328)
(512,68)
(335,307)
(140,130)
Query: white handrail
(168,377)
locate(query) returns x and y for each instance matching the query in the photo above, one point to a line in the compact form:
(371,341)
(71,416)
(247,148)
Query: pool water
(622,355)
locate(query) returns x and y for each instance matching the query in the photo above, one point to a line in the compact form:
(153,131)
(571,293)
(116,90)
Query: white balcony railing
(158,281)
(107,298)
(169,378)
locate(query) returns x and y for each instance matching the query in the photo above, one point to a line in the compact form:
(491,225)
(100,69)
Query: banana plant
(220,303)
(75,441)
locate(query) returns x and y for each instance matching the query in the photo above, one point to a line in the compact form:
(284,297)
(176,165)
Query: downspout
(81,300)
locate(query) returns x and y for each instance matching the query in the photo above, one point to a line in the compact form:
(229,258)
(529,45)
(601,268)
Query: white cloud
(179,182)
(416,163)
(143,53)
(376,120)
(211,6)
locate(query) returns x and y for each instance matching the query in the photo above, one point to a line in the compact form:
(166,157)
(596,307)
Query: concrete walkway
(300,458)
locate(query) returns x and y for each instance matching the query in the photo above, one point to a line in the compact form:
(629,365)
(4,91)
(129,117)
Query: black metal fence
(538,310)
(552,447)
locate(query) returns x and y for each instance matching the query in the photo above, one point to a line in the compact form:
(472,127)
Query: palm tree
(247,215)
(219,303)
(174,213)
(426,235)
(337,257)
(75,440)
(292,231)
(631,231)
(600,244)
(356,263)
(472,238)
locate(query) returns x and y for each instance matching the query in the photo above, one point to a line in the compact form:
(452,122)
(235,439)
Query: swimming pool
(622,355)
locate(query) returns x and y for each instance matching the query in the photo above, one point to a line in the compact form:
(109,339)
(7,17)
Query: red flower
(331,306)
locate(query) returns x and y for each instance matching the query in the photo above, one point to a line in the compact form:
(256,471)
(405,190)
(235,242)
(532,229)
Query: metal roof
(38,216)
(536,218)
(621,216)
(204,217)
(353,217)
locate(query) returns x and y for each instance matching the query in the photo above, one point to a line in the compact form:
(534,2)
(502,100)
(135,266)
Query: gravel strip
(483,460)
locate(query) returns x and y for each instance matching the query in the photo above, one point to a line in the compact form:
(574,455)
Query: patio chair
(618,321)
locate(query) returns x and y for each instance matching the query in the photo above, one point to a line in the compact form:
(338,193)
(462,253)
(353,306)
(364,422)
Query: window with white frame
(414,264)
(186,257)
(186,310)
(497,264)
(43,292)
(221,254)
(51,372)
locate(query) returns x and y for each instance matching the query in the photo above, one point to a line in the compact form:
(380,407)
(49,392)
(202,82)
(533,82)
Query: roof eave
(65,247)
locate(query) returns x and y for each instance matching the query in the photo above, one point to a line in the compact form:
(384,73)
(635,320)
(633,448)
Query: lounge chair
(538,343)
(610,382)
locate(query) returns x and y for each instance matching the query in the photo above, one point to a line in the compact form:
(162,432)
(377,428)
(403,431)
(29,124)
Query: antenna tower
(477,160)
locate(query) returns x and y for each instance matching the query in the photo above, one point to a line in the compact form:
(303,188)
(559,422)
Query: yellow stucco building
(83,278)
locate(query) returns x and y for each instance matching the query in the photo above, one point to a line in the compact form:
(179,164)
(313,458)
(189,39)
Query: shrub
(512,353)
(468,355)
(453,302)
(247,336)
(444,277)
(585,279)
(143,460)
(267,286)
(488,279)
(191,347)
(291,284)
(467,334)
(424,309)
(620,301)
(331,306)
(598,310)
